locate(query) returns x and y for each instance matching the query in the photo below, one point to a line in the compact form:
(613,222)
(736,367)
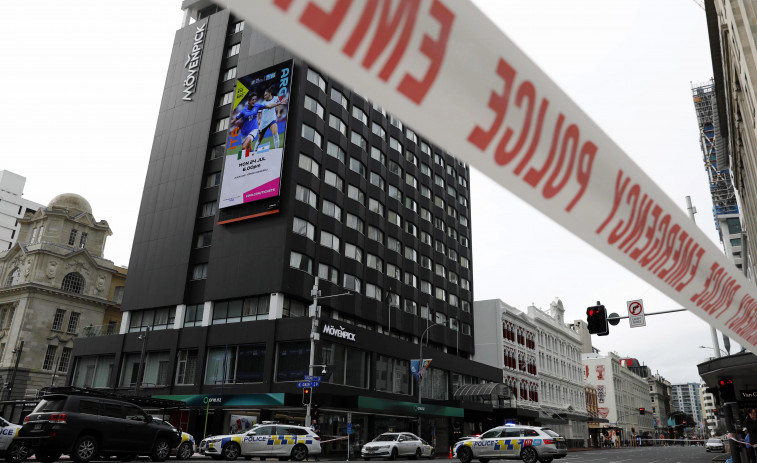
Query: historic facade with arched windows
(55,286)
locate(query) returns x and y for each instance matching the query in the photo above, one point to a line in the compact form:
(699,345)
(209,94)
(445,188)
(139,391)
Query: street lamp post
(140,371)
(420,367)
(721,350)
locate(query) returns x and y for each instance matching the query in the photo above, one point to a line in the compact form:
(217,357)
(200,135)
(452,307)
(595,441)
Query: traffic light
(726,390)
(715,394)
(307,394)
(596,320)
(642,411)
(314,411)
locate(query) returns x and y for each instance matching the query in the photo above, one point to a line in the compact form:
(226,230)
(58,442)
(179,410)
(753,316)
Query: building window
(411,158)
(378,155)
(331,209)
(335,151)
(337,96)
(221,125)
(392,375)
(393,244)
(312,105)
(410,180)
(93,371)
(155,370)
(49,360)
(14,277)
(373,292)
(350,367)
(354,222)
(186,367)
(316,79)
(375,234)
(238,27)
(353,252)
(309,133)
(208,209)
(411,136)
(193,315)
(304,228)
(292,360)
(358,140)
(155,319)
(204,240)
(377,180)
(411,254)
(395,193)
(64,360)
(395,144)
(466,329)
(329,240)
(411,280)
(331,178)
(358,114)
(72,237)
(309,164)
(301,262)
(328,273)
(425,287)
(73,283)
(200,271)
(355,193)
(58,319)
(73,322)
(212,179)
(375,206)
(338,124)
(233,50)
(395,168)
(352,283)
(411,307)
(392,271)
(374,262)
(393,217)
(734,225)
(306,195)
(229,74)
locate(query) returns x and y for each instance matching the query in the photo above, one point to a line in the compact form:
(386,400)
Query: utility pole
(314,336)
(143,337)
(420,378)
(12,380)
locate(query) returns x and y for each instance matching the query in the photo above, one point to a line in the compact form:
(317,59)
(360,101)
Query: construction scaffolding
(714,151)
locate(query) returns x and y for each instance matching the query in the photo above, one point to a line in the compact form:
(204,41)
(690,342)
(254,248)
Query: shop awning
(493,393)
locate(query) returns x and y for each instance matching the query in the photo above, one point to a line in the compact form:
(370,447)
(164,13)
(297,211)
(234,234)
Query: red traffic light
(306,394)
(642,410)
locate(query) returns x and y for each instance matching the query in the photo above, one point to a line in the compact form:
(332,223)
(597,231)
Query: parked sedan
(714,444)
(395,444)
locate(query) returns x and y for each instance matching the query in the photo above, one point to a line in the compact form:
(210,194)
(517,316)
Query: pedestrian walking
(750,427)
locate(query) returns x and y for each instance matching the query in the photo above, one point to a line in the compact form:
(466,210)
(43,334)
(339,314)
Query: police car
(264,440)
(8,432)
(527,443)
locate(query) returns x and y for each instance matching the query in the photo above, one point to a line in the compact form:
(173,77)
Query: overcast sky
(82,81)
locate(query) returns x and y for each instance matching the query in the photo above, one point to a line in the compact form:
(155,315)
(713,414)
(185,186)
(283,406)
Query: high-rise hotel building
(233,231)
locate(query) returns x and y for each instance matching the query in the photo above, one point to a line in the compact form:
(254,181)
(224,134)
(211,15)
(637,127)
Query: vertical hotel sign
(192,63)
(257,131)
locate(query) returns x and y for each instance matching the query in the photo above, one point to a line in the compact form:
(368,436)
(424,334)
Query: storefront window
(154,370)
(349,366)
(392,375)
(292,360)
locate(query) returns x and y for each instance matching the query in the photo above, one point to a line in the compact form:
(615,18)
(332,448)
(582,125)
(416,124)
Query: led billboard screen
(257,135)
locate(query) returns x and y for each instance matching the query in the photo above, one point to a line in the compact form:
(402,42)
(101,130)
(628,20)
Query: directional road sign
(308,383)
(312,378)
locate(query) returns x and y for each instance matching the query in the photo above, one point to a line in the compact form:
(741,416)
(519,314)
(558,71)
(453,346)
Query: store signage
(340,332)
(192,64)
(749,395)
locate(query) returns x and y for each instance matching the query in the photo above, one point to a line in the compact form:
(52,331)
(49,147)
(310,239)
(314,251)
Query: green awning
(372,403)
(231,400)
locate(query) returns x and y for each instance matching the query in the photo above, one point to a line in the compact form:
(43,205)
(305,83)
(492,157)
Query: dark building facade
(217,301)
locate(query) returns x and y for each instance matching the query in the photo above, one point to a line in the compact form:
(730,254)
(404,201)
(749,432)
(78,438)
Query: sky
(81,88)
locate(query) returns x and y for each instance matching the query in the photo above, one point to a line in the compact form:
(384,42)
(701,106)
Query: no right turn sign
(636,313)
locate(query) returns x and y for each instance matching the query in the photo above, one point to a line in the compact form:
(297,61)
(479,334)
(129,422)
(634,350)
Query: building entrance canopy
(494,394)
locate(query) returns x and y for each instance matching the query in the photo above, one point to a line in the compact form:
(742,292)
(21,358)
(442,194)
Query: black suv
(87,427)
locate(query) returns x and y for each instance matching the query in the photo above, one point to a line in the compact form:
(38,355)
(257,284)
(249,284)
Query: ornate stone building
(55,286)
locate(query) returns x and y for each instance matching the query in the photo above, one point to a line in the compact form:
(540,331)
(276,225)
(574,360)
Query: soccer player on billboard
(269,119)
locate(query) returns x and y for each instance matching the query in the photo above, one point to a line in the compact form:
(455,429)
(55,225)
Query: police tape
(447,71)
(334,439)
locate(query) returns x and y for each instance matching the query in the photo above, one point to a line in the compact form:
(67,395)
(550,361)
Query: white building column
(178,320)
(125,320)
(207,313)
(276,306)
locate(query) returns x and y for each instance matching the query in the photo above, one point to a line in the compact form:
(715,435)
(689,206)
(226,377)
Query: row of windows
(73,321)
(357,166)
(55,361)
(244,363)
(334,180)
(73,282)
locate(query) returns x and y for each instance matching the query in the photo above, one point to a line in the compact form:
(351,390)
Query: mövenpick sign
(445,69)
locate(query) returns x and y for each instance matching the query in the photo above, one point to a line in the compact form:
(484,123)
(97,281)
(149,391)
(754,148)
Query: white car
(283,441)
(395,444)
(527,443)
(714,444)
(8,432)
(186,448)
